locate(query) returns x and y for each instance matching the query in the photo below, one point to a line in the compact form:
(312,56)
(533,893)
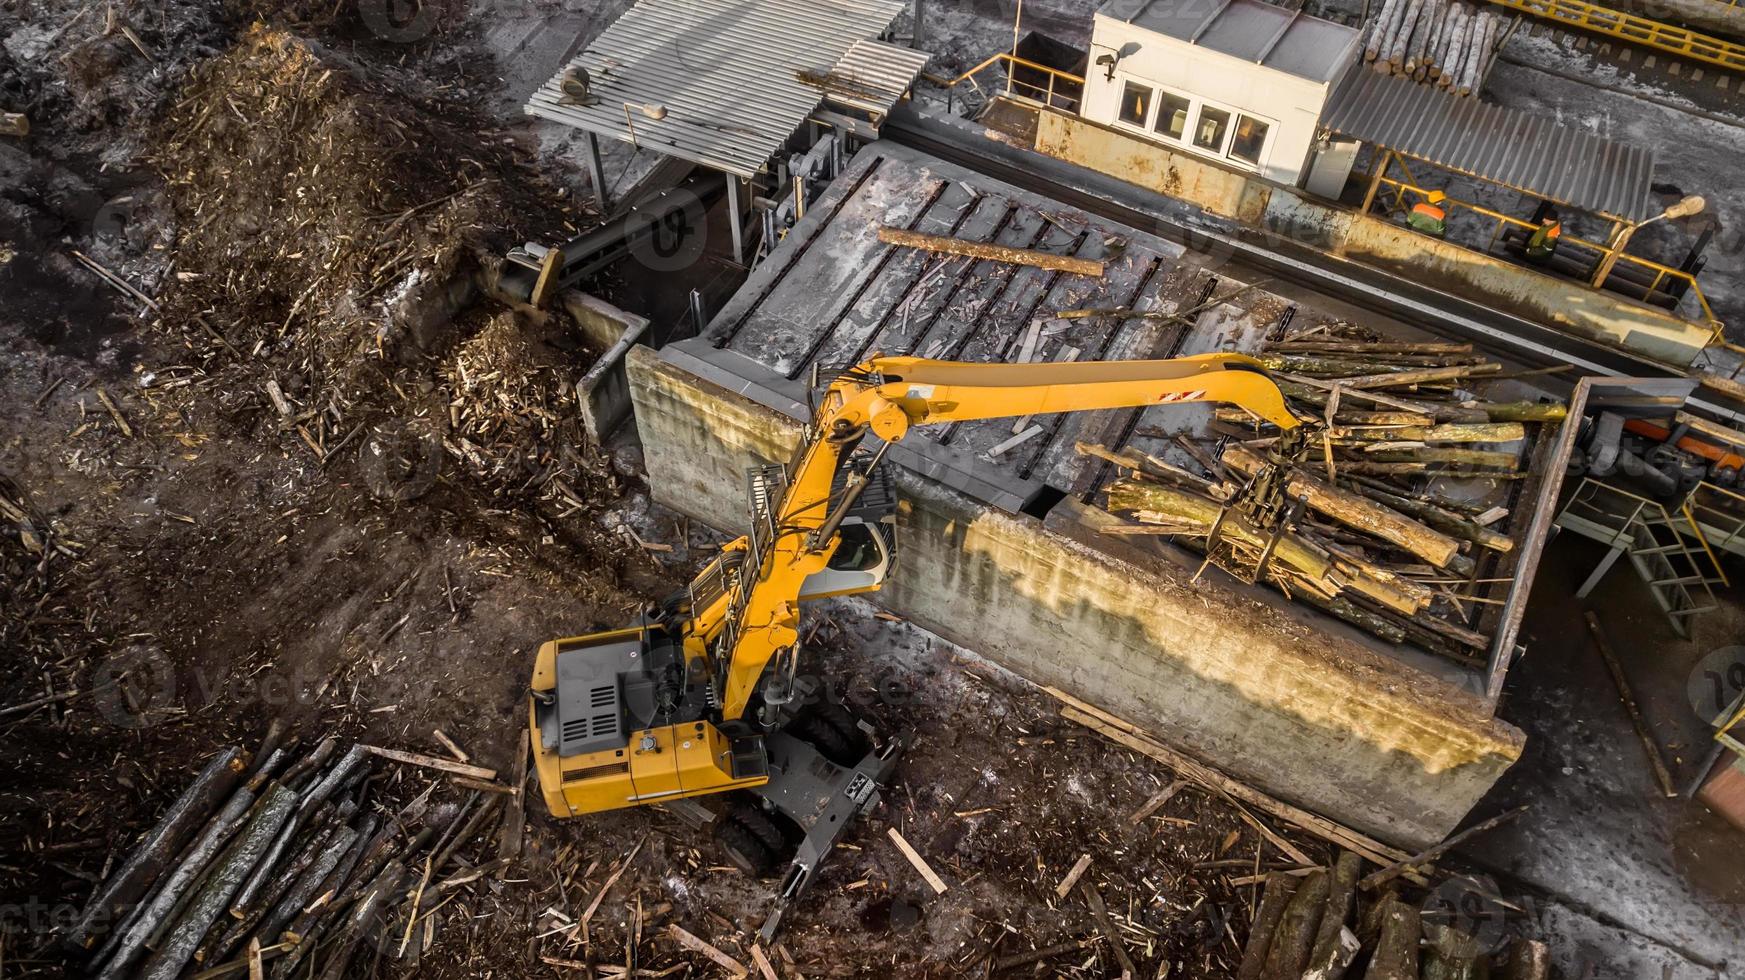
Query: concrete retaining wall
(1289,701)
(604,392)
(1275,210)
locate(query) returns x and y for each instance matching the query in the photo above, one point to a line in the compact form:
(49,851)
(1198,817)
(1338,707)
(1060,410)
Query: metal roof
(725,76)
(1527,153)
(872,76)
(1289,41)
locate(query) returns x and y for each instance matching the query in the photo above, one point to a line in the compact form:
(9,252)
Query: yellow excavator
(703,696)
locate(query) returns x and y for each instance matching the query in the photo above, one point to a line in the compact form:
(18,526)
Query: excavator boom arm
(886,397)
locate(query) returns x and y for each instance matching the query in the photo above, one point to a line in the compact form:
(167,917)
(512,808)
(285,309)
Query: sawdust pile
(332,232)
(324,221)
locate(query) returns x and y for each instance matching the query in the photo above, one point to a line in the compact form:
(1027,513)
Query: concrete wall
(1277,696)
(1290,105)
(604,391)
(1275,210)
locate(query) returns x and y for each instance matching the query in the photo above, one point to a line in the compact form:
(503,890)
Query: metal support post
(1381,169)
(596,173)
(735,222)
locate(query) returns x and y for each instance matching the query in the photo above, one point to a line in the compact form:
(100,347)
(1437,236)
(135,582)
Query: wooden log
(1529,959)
(1396,948)
(315,796)
(117,957)
(1332,963)
(1451,954)
(431,762)
(1279,889)
(1396,52)
(1452,32)
(1343,414)
(990,252)
(1492,36)
(1491,459)
(1106,925)
(1330,955)
(1650,747)
(226,876)
(1392,871)
(1375,623)
(1418,376)
(466,832)
(1420,44)
(1355,511)
(1372,37)
(921,866)
(315,760)
(307,886)
(1305,559)
(160,846)
(1288,954)
(366,918)
(1456,432)
(1146,464)
(1521,411)
(1038,955)
(1362,349)
(304,922)
(1135,738)
(1427,65)
(697,944)
(221,943)
(1448,523)
(1474,53)
(1299,386)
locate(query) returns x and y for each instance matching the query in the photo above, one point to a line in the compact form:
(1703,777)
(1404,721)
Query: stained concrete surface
(1630,880)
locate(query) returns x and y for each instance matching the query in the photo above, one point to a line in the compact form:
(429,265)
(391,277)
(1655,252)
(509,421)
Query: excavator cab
(864,553)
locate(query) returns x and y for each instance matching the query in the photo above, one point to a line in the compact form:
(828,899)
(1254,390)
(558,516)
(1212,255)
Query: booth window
(1135,103)
(1249,141)
(1213,124)
(1172,114)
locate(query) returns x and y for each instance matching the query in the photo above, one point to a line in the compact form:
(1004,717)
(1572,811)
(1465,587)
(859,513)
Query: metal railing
(1055,92)
(1663,274)
(1634,29)
(1718,515)
(1635,526)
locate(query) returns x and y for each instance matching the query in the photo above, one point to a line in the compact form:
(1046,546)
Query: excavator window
(855,549)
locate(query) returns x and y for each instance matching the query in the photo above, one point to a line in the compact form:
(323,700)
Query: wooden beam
(920,863)
(991,252)
(1133,737)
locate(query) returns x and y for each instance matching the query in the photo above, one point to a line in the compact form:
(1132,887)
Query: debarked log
(1303,558)
(1356,511)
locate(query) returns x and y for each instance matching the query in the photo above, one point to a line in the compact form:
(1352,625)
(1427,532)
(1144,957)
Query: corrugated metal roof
(728,74)
(1284,40)
(1527,153)
(873,75)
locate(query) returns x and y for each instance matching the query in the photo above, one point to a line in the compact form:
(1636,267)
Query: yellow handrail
(1637,30)
(1661,272)
(1048,92)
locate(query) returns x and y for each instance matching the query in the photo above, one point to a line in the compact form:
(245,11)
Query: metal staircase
(1646,31)
(1678,577)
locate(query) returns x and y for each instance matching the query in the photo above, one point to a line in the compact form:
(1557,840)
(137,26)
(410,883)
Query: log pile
(1411,917)
(1373,544)
(1445,43)
(1321,924)
(282,863)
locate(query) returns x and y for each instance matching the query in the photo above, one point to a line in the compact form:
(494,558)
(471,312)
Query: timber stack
(283,862)
(1375,541)
(1325,924)
(1445,43)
